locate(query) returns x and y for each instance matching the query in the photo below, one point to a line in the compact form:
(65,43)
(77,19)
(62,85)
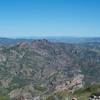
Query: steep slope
(36,68)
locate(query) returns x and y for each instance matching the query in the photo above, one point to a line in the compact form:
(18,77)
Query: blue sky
(29,18)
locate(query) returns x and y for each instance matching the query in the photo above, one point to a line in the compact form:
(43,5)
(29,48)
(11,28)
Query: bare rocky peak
(40,42)
(34,43)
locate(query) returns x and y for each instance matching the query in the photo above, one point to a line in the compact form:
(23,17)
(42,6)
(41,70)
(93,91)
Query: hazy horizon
(50,37)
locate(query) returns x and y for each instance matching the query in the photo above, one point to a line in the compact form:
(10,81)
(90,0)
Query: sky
(29,18)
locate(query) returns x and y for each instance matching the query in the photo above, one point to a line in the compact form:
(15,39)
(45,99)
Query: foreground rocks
(95,96)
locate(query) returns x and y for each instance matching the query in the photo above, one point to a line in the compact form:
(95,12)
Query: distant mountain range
(11,41)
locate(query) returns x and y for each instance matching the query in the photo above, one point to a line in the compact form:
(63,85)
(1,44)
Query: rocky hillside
(35,69)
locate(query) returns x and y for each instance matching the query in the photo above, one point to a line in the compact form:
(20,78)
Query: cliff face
(43,65)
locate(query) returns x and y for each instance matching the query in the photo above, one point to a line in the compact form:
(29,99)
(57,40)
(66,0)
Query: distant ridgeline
(11,41)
